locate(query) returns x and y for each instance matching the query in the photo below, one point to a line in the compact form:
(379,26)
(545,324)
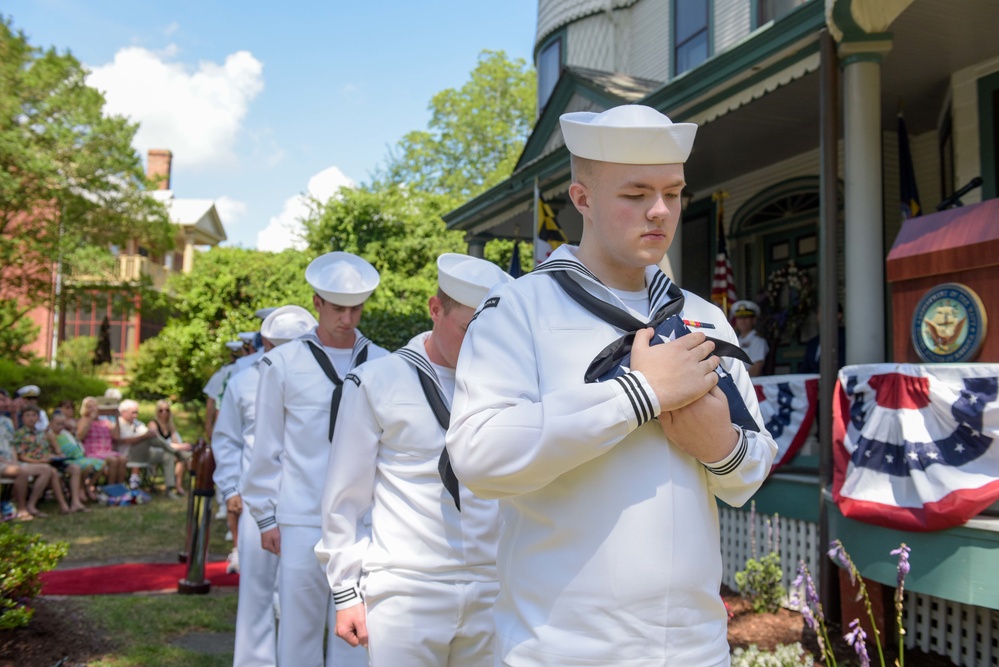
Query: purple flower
(903,562)
(837,552)
(857,638)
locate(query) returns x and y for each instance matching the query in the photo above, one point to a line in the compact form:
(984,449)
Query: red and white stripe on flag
(723,282)
(787,403)
(914,446)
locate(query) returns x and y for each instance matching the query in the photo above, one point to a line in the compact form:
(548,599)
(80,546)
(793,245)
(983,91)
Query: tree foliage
(214,302)
(69,177)
(474,138)
(475,135)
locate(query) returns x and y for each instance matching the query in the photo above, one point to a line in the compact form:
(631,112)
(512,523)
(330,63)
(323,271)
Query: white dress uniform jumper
(426,571)
(609,549)
(284,485)
(232,446)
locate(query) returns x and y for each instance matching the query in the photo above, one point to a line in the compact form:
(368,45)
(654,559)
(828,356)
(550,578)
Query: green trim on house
(987,86)
(861,58)
(842,18)
(803,21)
(958,564)
(569,84)
(793,496)
(512,192)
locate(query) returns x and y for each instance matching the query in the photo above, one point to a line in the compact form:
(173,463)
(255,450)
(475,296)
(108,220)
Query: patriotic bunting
(913,444)
(788,404)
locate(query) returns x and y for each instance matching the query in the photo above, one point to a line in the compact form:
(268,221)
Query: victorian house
(115,299)
(782,145)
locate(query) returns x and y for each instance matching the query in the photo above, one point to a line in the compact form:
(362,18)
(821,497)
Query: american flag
(723,285)
(914,445)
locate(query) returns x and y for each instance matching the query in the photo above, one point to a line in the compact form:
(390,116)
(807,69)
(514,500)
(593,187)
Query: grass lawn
(142,630)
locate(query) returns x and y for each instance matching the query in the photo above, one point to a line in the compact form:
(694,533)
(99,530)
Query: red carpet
(128,578)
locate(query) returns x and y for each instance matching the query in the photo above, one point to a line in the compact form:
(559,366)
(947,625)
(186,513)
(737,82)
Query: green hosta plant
(785,655)
(24,557)
(761,583)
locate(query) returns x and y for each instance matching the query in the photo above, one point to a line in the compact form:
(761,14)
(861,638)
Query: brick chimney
(158,167)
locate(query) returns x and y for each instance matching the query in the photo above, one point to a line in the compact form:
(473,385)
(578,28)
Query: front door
(790,256)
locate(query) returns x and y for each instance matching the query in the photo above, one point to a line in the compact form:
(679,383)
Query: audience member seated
(69,468)
(69,447)
(143,446)
(68,409)
(28,396)
(165,430)
(21,473)
(95,436)
(33,448)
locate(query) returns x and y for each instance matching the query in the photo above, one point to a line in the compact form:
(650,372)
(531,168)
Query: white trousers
(425,623)
(307,606)
(256,630)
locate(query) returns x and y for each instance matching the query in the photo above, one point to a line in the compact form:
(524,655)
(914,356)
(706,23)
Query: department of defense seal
(949,324)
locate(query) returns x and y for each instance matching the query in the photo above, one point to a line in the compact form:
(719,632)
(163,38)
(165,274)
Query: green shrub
(23,557)
(56,384)
(785,655)
(77,354)
(761,583)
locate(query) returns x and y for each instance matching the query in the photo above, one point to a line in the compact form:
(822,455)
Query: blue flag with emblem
(907,175)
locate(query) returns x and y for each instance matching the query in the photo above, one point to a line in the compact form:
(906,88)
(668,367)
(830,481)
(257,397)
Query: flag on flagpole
(549,235)
(723,290)
(515,269)
(907,175)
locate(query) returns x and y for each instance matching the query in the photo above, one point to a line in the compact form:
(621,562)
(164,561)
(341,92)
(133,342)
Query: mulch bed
(57,632)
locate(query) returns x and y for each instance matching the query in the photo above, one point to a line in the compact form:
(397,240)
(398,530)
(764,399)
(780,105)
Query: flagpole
(535,239)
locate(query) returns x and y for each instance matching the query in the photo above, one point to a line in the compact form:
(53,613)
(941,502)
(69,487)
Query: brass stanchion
(197,546)
(196,451)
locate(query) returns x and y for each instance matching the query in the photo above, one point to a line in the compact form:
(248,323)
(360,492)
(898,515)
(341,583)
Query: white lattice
(796,540)
(968,635)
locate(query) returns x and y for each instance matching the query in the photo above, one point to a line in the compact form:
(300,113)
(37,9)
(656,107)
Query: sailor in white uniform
(216,384)
(253,349)
(744,314)
(609,552)
(232,444)
(416,587)
(298,398)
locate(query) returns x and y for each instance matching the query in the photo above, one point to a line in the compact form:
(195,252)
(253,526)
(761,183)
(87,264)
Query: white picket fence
(967,635)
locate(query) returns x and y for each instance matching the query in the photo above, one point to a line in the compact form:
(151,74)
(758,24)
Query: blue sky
(262,101)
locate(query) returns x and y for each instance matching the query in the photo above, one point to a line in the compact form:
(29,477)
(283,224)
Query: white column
(188,254)
(863,213)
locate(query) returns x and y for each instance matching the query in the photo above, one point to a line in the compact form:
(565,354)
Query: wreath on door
(790,300)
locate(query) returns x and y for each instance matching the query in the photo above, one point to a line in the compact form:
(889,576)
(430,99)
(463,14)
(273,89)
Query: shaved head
(582,169)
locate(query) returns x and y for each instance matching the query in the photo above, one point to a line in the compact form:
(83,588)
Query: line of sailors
(329,473)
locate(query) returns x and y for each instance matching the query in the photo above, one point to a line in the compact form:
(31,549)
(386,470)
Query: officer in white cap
(29,396)
(215,386)
(417,587)
(232,445)
(744,314)
(610,550)
(298,399)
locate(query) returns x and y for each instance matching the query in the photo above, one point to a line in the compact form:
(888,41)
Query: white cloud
(171,28)
(285,229)
(196,113)
(230,210)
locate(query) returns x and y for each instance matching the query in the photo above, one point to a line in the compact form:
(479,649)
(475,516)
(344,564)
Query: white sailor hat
(112,393)
(262,313)
(628,134)
(29,391)
(744,308)
(342,278)
(467,279)
(247,336)
(234,345)
(287,323)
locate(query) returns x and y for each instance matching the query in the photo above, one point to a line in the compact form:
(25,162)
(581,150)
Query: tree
(70,181)
(213,303)
(475,135)
(400,231)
